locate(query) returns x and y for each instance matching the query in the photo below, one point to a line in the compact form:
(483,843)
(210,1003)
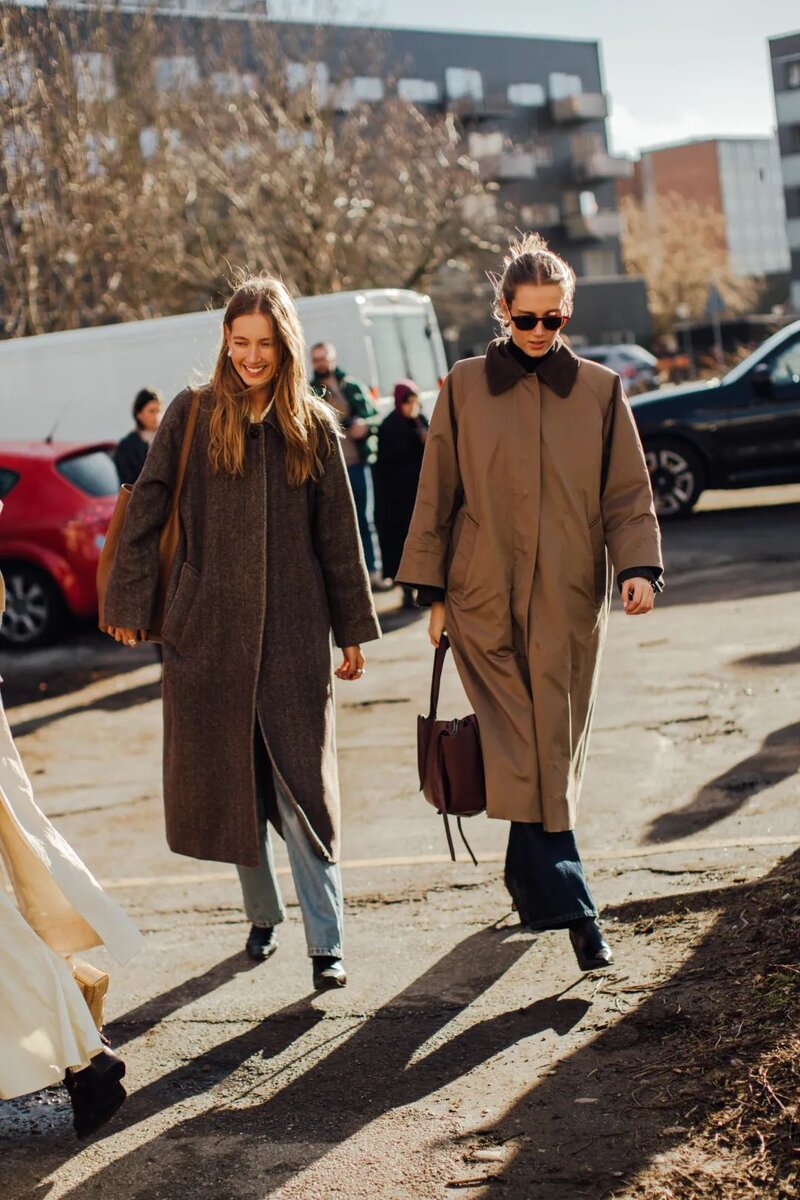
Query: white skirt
(56,908)
(45,1024)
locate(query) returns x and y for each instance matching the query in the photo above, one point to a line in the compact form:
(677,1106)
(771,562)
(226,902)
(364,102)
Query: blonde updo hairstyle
(530,260)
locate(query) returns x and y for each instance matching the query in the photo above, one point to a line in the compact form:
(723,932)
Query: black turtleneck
(528,361)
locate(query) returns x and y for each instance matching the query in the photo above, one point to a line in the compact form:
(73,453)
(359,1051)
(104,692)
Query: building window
(486,145)
(539,216)
(232,83)
(148,141)
(313,75)
(418,91)
(527,95)
(361,89)
(794,139)
(563,86)
(94,77)
(97,148)
(17,79)
(793,74)
(368,88)
(177,74)
(463,83)
(479,210)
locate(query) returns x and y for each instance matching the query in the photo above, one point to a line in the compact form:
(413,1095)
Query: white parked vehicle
(79,385)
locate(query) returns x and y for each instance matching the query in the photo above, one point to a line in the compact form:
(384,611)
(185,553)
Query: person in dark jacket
(401,443)
(359,419)
(131,452)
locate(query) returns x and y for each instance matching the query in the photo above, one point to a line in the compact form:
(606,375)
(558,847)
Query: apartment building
(739,177)
(785,60)
(532,112)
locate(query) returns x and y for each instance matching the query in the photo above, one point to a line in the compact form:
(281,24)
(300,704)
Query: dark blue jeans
(360,476)
(544,875)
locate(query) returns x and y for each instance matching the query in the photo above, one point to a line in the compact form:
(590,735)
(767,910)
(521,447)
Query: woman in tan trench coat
(270,563)
(534,489)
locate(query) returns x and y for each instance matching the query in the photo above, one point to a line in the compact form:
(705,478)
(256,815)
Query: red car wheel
(35,611)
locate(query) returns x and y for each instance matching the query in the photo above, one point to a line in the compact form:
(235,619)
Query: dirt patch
(692,1094)
(736,1062)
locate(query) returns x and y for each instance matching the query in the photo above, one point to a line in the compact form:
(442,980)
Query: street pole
(683,312)
(715,306)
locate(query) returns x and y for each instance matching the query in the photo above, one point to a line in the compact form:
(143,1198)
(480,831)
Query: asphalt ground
(465,1056)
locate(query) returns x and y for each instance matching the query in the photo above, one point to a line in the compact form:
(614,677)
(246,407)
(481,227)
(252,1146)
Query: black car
(739,431)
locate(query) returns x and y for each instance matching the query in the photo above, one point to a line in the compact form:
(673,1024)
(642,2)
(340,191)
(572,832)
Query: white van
(79,385)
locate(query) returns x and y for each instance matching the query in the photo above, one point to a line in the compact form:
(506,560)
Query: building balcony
(583,106)
(494,106)
(600,166)
(586,227)
(540,216)
(513,166)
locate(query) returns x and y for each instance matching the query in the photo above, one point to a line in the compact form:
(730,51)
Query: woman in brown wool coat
(270,563)
(534,489)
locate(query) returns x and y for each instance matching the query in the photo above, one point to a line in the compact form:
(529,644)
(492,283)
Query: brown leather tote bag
(450,760)
(169,539)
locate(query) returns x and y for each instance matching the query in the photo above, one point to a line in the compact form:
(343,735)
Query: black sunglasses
(529,321)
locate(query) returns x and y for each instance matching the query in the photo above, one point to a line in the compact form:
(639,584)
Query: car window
(390,359)
(416,333)
(7,480)
(785,367)
(93,472)
(598,356)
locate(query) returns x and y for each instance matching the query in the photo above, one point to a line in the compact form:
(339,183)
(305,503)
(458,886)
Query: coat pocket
(597,535)
(464,546)
(174,629)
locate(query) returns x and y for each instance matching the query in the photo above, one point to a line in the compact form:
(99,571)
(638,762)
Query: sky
(674,69)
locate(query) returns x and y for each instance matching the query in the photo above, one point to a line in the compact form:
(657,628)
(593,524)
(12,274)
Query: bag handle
(438,666)
(186,447)
(463,836)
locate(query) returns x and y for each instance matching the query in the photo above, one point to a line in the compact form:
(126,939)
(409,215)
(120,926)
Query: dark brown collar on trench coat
(559,369)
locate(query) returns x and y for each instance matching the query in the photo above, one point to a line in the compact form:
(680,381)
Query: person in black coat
(401,442)
(131,452)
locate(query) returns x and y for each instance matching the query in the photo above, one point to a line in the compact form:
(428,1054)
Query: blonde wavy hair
(302,417)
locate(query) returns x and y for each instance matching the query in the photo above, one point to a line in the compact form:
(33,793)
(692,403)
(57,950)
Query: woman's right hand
(436,622)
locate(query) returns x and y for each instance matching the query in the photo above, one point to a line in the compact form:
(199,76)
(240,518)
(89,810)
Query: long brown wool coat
(529,485)
(263,574)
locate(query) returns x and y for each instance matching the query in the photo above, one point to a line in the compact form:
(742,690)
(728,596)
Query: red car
(58,499)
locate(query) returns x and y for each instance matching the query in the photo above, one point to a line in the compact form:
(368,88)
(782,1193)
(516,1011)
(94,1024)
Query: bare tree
(679,247)
(138,167)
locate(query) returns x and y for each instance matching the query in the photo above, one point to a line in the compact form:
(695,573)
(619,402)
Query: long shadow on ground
(777,759)
(704,1055)
(368,1075)
(671,1069)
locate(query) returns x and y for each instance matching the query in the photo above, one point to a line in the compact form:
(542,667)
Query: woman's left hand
(128,637)
(638,597)
(352,664)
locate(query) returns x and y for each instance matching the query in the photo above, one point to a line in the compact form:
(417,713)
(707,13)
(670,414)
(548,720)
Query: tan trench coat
(530,484)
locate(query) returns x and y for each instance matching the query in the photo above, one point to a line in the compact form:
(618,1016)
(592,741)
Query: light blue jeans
(318,883)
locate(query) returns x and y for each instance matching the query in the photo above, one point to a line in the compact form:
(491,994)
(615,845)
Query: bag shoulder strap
(436,679)
(186,447)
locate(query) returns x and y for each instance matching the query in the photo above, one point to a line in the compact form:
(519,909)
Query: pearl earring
(229,354)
